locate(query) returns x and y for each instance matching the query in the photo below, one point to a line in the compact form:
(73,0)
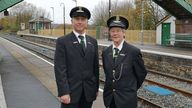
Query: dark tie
(82,42)
(115,55)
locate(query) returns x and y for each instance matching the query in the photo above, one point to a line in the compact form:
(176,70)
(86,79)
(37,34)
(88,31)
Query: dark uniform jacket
(76,70)
(129,75)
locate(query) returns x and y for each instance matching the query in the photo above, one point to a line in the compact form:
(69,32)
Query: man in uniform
(77,64)
(123,66)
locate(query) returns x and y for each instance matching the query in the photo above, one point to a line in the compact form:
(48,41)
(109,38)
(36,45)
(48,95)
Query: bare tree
(157,12)
(132,11)
(30,9)
(100,13)
(24,12)
(123,8)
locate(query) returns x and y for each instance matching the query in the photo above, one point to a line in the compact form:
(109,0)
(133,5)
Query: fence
(132,36)
(181,40)
(135,36)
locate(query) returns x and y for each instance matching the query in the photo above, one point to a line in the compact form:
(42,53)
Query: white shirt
(119,47)
(77,34)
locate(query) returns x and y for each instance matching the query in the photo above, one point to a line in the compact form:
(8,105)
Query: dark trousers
(112,105)
(81,104)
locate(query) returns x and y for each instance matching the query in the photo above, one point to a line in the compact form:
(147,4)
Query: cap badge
(80,9)
(117,19)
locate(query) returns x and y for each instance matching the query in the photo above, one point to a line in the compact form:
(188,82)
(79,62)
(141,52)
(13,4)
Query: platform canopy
(5,4)
(181,9)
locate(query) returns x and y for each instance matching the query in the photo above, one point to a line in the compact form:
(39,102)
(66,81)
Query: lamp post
(109,37)
(53,12)
(109,8)
(142,18)
(53,19)
(63,17)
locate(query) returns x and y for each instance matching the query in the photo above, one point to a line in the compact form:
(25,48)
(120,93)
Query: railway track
(186,93)
(170,76)
(143,102)
(153,81)
(44,50)
(170,82)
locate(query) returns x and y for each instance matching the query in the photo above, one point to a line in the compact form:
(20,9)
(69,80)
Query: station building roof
(181,9)
(5,4)
(40,19)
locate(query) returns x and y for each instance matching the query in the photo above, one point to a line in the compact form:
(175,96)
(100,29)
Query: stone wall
(50,41)
(178,66)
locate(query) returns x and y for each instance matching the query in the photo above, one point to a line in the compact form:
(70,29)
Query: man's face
(79,24)
(117,34)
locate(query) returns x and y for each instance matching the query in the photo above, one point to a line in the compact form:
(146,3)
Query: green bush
(14,28)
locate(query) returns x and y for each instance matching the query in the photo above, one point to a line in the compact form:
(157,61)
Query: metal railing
(181,37)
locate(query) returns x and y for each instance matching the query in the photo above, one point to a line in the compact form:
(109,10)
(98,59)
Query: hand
(65,99)
(97,93)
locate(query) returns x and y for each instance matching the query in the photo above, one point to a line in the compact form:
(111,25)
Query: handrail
(181,36)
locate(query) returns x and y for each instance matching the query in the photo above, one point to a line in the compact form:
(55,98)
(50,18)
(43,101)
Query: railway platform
(170,50)
(21,89)
(27,80)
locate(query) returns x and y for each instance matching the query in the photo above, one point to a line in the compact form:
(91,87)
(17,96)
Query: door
(165,36)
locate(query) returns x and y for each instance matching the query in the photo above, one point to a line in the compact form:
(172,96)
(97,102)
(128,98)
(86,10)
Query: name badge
(75,42)
(122,54)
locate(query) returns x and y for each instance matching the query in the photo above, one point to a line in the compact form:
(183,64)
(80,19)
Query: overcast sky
(58,9)
(69,4)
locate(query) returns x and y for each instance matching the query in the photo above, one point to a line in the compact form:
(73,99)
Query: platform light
(6,13)
(63,17)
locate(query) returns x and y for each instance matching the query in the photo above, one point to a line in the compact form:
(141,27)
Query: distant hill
(55,25)
(60,26)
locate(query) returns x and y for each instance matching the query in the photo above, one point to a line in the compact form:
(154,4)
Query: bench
(181,40)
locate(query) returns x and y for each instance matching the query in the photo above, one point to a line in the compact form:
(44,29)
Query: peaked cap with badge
(118,21)
(80,11)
